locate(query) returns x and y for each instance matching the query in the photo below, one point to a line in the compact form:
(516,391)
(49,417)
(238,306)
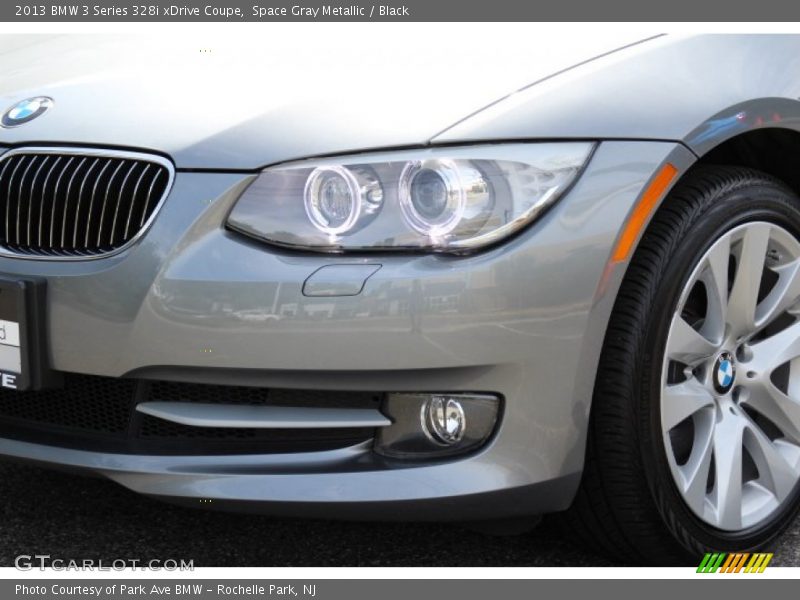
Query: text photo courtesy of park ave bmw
(161,590)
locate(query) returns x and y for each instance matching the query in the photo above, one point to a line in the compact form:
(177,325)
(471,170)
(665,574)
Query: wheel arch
(772,149)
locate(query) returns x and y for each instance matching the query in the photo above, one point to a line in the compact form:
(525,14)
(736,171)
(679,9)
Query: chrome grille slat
(55,200)
(44,195)
(32,200)
(119,203)
(10,192)
(20,206)
(105,204)
(69,203)
(3,172)
(19,198)
(149,200)
(23,207)
(107,164)
(77,219)
(133,204)
(65,212)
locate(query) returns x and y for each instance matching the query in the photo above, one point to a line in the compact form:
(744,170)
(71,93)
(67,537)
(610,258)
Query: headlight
(438,199)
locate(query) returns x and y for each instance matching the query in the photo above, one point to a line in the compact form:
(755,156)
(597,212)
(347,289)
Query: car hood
(228,103)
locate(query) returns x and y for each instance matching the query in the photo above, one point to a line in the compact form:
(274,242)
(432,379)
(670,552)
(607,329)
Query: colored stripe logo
(737,562)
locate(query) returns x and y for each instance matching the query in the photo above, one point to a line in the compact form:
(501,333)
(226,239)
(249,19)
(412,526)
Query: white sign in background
(10,357)
(9,333)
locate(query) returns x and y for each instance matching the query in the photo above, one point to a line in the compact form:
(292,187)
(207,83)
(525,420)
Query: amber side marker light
(642,212)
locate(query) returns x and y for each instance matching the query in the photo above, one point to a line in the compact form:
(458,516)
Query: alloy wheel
(730,381)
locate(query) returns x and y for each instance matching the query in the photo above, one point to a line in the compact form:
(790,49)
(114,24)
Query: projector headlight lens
(431,196)
(440,200)
(335,198)
(331,198)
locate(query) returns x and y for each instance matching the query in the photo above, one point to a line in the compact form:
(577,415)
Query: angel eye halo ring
(332,199)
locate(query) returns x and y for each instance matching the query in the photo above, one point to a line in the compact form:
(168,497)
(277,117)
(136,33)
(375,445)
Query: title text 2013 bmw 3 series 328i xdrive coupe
(410,283)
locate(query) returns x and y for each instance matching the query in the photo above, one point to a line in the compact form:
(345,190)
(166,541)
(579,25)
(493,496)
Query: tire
(638,502)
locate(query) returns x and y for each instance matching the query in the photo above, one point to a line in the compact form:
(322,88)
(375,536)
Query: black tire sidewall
(762,199)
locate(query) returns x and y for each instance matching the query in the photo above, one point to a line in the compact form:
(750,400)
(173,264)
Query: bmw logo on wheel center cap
(724,373)
(26,110)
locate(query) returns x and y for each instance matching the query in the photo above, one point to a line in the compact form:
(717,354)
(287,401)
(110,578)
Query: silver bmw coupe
(372,277)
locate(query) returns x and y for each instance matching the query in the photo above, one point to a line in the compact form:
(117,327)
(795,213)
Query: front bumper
(194,302)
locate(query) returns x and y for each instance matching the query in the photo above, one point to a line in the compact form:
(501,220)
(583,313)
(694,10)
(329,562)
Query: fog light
(443,420)
(430,425)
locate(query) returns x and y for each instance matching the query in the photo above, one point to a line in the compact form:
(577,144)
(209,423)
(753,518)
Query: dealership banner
(387,589)
(401,10)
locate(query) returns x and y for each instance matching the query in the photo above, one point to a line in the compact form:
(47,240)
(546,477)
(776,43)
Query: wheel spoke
(774,472)
(747,282)
(686,344)
(776,406)
(777,350)
(728,464)
(716,280)
(782,297)
(681,401)
(695,471)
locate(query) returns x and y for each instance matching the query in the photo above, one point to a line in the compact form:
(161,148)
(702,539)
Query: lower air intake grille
(99,404)
(75,203)
(99,413)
